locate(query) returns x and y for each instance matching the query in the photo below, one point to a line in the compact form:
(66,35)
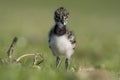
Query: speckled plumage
(61,40)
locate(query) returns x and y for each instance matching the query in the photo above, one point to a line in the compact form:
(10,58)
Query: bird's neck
(60,29)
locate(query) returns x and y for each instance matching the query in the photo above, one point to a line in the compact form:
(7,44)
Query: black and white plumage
(61,40)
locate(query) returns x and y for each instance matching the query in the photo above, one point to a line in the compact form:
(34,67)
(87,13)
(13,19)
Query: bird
(62,41)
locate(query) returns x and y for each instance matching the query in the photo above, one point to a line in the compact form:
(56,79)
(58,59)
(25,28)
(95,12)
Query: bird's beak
(63,22)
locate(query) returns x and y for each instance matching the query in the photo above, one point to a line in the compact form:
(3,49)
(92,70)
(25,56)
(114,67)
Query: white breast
(61,45)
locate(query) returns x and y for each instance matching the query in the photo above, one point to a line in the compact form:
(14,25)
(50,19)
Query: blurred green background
(96,24)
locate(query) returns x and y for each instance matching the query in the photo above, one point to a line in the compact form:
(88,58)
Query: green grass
(96,25)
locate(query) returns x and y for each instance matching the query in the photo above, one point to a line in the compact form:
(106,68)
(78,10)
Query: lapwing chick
(61,40)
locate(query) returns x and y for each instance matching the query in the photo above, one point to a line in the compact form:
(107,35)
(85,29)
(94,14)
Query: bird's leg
(67,63)
(57,61)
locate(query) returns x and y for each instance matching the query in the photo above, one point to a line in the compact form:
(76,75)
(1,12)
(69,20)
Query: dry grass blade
(25,55)
(38,58)
(11,48)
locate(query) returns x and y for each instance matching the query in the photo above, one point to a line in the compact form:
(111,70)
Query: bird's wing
(71,37)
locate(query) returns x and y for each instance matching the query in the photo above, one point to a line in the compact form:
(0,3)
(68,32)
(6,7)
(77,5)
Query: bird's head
(61,16)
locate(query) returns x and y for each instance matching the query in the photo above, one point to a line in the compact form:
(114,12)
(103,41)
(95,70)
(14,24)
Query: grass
(95,24)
